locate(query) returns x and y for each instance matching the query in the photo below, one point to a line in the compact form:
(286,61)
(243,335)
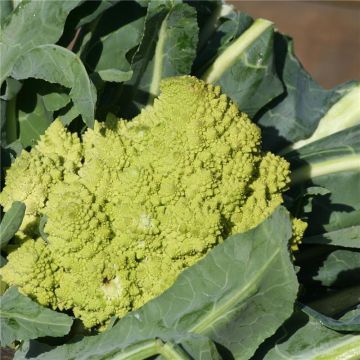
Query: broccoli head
(135,202)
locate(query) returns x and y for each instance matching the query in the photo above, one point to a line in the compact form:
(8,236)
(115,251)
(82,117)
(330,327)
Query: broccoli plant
(137,202)
(174,183)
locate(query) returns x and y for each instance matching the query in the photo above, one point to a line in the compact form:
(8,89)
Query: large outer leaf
(58,65)
(253,284)
(31,24)
(177,347)
(238,295)
(193,347)
(245,69)
(23,319)
(304,338)
(295,114)
(333,163)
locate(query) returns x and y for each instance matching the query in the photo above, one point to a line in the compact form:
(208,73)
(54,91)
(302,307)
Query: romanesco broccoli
(135,202)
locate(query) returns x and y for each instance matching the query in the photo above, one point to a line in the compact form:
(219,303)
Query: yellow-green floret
(135,202)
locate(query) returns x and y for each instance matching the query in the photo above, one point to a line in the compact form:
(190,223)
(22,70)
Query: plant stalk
(150,348)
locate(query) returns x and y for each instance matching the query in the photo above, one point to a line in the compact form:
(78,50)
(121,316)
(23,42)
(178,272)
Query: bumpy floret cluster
(134,203)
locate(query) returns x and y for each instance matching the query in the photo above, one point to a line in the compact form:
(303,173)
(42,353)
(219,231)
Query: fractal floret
(133,203)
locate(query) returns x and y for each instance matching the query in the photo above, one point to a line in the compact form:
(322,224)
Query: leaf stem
(347,350)
(332,166)
(342,115)
(158,62)
(227,58)
(168,350)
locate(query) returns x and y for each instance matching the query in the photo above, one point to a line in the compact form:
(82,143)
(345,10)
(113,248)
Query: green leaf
(11,222)
(13,150)
(340,269)
(316,190)
(332,163)
(333,303)
(114,75)
(248,277)
(111,50)
(35,104)
(103,6)
(30,349)
(8,156)
(182,347)
(32,23)
(245,69)
(55,100)
(58,65)
(304,338)
(349,322)
(337,153)
(67,115)
(6,8)
(23,319)
(310,194)
(200,347)
(261,264)
(219,26)
(346,237)
(168,48)
(3,284)
(296,114)
(209,15)
(345,113)
(33,122)
(192,347)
